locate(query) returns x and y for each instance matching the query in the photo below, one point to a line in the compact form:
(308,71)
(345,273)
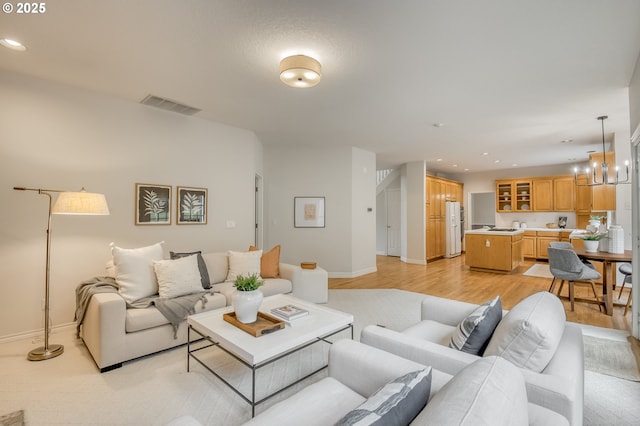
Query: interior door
(394,239)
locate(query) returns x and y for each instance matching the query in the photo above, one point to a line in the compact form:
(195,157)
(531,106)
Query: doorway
(394,236)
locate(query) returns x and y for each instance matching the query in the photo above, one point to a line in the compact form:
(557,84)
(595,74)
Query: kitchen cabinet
(513,195)
(583,196)
(496,252)
(603,197)
(529,244)
(439,191)
(543,195)
(536,243)
(564,193)
(540,194)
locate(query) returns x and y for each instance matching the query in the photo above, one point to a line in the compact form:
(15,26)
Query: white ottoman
(311,284)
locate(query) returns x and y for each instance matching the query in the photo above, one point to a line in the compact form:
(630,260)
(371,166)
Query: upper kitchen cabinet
(544,194)
(513,195)
(564,193)
(603,197)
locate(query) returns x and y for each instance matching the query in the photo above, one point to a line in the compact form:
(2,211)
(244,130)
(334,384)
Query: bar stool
(626,270)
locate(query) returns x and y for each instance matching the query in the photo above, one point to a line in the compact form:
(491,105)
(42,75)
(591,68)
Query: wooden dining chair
(627,270)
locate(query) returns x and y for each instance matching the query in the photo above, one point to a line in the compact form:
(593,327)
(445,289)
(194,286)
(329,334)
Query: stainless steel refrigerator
(453,229)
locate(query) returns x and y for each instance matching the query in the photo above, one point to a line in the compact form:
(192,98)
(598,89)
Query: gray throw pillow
(473,333)
(202,267)
(396,403)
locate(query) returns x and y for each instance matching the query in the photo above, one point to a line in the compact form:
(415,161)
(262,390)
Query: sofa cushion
(243,263)
(490,391)
(217,266)
(319,404)
(202,266)
(431,331)
(269,262)
(135,275)
(144,318)
(396,403)
(178,277)
(529,334)
(473,333)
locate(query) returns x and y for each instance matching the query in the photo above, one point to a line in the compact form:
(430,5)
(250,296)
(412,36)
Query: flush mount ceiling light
(300,71)
(12,44)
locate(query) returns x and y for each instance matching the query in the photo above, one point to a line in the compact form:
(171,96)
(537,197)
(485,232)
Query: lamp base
(42,353)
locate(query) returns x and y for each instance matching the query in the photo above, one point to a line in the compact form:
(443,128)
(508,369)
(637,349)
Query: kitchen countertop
(511,231)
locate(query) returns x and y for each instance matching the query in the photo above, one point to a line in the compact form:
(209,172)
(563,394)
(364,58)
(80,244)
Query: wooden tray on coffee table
(264,324)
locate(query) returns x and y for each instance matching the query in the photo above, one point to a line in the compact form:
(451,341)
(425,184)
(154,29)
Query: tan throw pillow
(270,262)
(243,263)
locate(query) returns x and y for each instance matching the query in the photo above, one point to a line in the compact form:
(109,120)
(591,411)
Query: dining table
(608,260)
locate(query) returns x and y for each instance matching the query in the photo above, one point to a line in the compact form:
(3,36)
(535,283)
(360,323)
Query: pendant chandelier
(605,178)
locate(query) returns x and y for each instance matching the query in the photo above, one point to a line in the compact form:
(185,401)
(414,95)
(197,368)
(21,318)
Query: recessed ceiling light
(438,124)
(439,160)
(454,165)
(12,44)
(466,170)
(485,153)
(496,161)
(514,165)
(566,141)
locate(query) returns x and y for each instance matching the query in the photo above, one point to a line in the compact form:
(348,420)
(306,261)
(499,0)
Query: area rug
(610,357)
(539,270)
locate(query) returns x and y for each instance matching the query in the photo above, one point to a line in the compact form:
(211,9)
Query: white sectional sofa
(534,336)
(114,333)
(363,383)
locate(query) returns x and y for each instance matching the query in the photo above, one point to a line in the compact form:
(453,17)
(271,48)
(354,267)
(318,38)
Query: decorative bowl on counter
(552,225)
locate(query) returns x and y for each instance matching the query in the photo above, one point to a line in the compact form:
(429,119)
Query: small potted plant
(591,242)
(248,297)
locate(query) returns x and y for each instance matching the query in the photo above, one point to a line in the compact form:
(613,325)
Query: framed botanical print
(308,212)
(153,204)
(191,206)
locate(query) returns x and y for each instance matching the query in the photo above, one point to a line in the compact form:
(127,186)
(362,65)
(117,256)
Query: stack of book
(289,312)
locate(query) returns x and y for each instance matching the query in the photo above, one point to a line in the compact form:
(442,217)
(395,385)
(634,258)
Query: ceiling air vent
(169,105)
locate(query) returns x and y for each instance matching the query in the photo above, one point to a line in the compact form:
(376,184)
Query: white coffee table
(257,352)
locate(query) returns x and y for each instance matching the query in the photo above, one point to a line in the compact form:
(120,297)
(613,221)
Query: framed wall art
(153,204)
(308,212)
(191,206)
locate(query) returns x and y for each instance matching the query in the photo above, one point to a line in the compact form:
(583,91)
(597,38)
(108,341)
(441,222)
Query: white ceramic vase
(246,305)
(591,246)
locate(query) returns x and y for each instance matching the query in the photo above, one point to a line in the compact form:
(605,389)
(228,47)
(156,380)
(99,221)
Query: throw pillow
(178,277)
(243,263)
(202,266)
(135,276)
(490,391)
(529,334)
(269,262)
(396,403)
(473,333)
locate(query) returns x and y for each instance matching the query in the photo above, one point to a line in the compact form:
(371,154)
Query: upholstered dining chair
(565,265)
(626,270)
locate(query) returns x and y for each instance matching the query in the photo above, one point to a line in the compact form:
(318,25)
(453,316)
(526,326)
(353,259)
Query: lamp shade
(82,202)
(300,71)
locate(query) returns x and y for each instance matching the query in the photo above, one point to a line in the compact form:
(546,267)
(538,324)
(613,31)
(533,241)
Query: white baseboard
(414,261)
(34,333)
(353,274)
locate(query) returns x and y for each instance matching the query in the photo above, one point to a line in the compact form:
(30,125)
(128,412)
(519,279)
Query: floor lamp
(81,202)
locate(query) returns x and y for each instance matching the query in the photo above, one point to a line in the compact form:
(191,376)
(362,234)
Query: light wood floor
(450,278)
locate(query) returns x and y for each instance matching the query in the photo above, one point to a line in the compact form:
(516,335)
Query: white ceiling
(509,77)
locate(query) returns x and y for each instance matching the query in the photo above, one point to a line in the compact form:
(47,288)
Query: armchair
(559,386)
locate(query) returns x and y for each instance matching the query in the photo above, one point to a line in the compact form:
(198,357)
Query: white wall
(59,137)
(413,196)
(303,171)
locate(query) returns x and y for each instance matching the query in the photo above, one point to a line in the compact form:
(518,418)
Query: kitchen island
(494,250)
